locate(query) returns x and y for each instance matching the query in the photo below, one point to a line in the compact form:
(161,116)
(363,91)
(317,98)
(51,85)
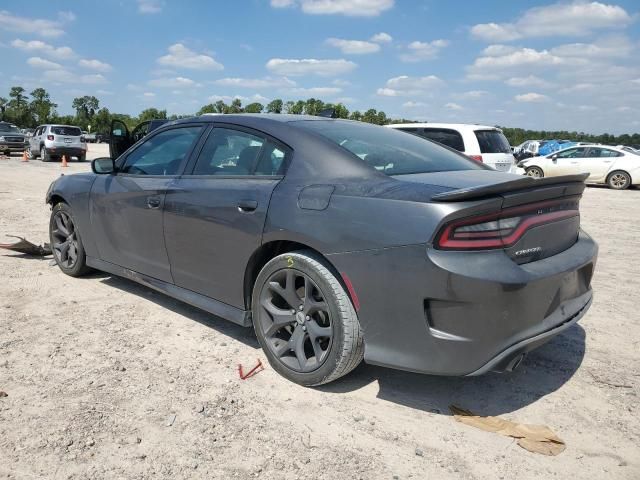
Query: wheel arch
(55,199)
(272,249)
(619,170)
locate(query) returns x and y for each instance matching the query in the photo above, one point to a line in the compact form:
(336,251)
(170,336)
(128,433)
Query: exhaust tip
(515,363)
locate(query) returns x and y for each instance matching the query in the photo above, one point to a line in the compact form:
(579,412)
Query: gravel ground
(106,379)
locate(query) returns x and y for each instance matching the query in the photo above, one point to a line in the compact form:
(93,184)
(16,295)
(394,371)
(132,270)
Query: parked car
(479,142)
(51,142)
(528,149)
(89,137)
(617,167)
(11,139)
(336,240)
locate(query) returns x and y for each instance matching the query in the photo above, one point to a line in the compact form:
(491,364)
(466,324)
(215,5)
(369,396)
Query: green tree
(85,108)
(151,114)
(101,122)
(18,108)
(275,106)
(221,107)
(356,115)
(236,106)
(313,106)
(208,108)
(3,107)
(41,106)
(341,111)
(254,108)
(296,108)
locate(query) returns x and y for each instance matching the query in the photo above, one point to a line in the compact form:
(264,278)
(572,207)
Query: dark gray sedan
(336,240)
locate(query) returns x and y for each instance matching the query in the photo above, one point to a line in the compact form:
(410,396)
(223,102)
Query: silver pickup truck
(11,139)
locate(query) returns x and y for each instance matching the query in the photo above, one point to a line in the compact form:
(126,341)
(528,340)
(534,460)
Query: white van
(479,142)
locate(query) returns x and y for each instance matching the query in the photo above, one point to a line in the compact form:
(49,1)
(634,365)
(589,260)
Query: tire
(82,158)
(66,242)
(44,155)
(30,155)
(327,314)
(619,180)
(534,172)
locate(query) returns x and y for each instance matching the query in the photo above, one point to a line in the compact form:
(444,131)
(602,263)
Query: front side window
(229,152)
(445,136)
(163,153)
(389,151)
(571,153)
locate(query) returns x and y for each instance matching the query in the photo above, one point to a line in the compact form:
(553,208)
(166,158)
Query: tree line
(36,108)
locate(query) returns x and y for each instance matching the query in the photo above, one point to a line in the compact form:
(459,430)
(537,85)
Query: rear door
(215,214)
(126,207)
(598,162)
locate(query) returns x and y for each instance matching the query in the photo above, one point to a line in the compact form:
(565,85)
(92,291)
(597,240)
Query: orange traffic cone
(64,161)
(24,156)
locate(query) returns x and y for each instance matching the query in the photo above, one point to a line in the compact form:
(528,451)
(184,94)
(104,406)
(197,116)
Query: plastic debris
(535,438)
(258,368)
(26,247)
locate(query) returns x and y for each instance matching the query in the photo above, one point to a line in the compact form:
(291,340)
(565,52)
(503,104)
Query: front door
(566,162)
(215,215)
(126,207)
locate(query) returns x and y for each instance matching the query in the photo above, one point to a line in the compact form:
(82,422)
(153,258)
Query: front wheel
(82,158)
(619,180)
(305,321)
(66,243)
(535,172)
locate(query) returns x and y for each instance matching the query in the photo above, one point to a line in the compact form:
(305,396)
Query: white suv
(54,141)
(479,142)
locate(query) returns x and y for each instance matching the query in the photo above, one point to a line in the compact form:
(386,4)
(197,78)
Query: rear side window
(445,136)
(603,152)
(68,131)
(492,141)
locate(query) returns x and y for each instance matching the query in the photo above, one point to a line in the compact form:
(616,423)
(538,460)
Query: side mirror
(103,165)
(554,157)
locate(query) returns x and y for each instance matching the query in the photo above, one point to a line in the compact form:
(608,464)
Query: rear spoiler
(574,185)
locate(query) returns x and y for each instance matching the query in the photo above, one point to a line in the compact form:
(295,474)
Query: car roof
(455,126)
(235,117)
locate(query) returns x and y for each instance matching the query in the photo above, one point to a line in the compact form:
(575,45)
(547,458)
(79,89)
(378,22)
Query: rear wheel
(535,172)
(82,158)
(66,243)
(305,321)
(44,155)
(619,180)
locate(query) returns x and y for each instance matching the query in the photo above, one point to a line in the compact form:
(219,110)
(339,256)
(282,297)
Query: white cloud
(381,37)
(61,53)
(353,47)
(419,51)
(518,58)
(453,106)
(150,6)
(182,57)
(172,82)
(37,62)
(528,81)
(35,26)
(315,91)
(256,83)
(104,92)
(410,86)
(577,18)
(472,94)
(310,66)
(65,76)
(148,94)
(351,8)
(618,46)
(498,50)
(531,97)
(96,65)
(412,104)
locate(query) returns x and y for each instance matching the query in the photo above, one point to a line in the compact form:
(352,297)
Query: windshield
(388,150)
(63,130)
(492,141)
(7,127)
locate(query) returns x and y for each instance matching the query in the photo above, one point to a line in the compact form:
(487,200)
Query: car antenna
(328,113)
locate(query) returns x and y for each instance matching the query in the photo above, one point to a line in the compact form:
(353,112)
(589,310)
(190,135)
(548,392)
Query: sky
(569,65)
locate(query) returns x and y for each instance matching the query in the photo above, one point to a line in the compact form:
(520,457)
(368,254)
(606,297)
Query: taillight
(50,137)
(477,158)
(502,229)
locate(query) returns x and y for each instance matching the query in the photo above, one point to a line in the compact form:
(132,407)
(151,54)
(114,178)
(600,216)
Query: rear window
(388,150)
(445,136)
(68,131)
(492,141)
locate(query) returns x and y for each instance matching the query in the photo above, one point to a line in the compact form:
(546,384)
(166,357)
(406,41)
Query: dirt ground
(107,379)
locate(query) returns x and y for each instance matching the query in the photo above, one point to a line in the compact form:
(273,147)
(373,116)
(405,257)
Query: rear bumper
(464,313)
(70,151)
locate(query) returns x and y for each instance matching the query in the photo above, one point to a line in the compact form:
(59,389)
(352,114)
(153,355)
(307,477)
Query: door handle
(247,206)
(153,202)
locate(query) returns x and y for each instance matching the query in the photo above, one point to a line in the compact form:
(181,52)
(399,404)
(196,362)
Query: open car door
(120,138)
